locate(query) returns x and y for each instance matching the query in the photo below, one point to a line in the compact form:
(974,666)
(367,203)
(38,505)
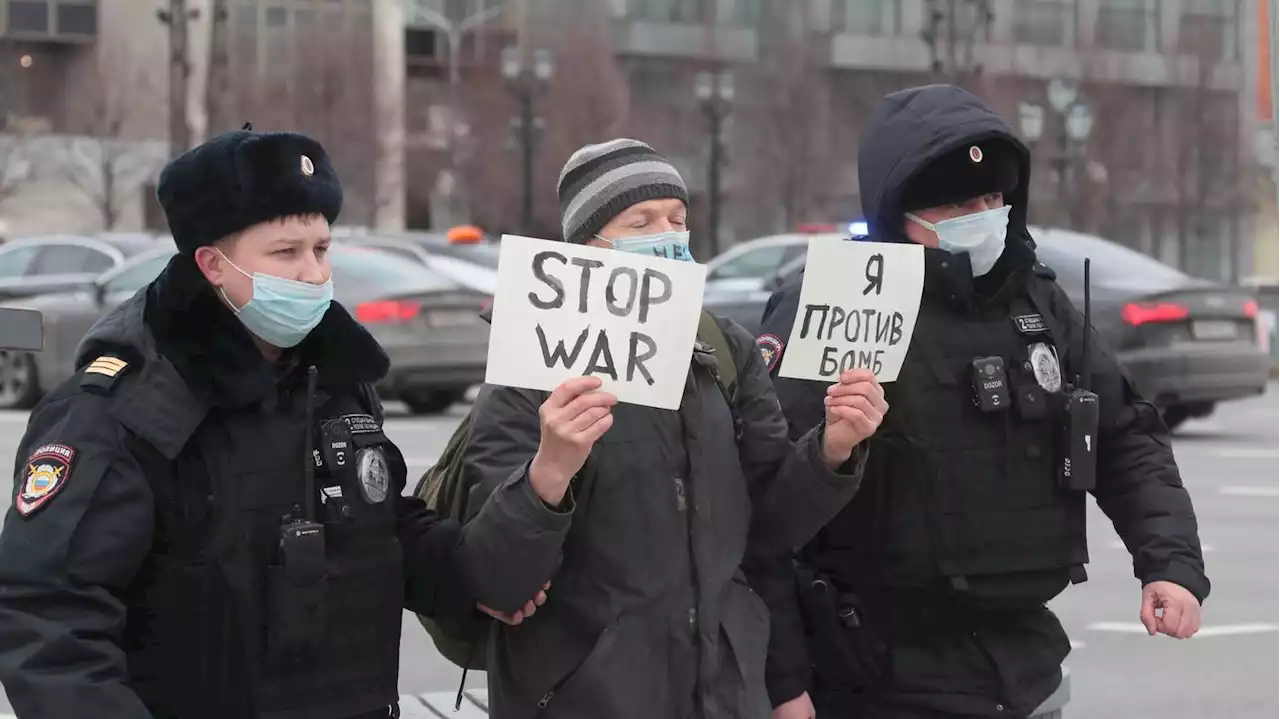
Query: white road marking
(1218,631)
(1117,544)
(1250,491)
(440,704)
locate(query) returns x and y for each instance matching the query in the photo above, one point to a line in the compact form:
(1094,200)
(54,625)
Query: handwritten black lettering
(895,333)
(568,358)
(611,296)
(587,266)
(808,315)
(837,318)
(636,359)
(647,297)
(828,358)
(540,272)
(601,361)
(875,277)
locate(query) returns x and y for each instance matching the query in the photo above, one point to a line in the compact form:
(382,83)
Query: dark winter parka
(649,614)
(959,524)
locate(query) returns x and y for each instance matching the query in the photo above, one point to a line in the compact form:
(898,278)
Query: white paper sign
(858,308)
(564,311)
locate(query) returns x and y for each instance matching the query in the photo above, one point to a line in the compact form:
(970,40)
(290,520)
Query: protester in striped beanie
(623,194)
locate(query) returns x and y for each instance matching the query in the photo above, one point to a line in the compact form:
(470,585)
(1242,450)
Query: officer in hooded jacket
(208,519)
(926,596)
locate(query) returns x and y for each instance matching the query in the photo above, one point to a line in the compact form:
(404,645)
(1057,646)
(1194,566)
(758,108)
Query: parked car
(50,263)
(1187,343)
(739,279)
(472,265)
(428,325)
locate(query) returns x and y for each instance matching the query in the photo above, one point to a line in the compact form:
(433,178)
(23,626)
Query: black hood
(908,130)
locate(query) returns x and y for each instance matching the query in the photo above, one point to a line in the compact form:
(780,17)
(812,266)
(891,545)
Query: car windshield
(1111,264)
(369,272)
(138,274)
(484,254)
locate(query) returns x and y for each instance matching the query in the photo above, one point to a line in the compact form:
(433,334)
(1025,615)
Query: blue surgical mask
(671,245)
(282,312)
(981,235)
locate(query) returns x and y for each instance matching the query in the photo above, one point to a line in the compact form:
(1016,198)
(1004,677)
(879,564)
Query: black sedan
(1187,343)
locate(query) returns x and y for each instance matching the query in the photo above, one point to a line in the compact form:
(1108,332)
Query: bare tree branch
(98,159)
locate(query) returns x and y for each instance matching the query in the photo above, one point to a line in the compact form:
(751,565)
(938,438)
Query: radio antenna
(1083,382)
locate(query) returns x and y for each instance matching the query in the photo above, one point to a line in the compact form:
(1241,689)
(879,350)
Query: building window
(1132,25)
(673,11)
(1209,28)
(277,17)
(739,13)
(77,19)
(1044,22)
(866,17)
(27,16)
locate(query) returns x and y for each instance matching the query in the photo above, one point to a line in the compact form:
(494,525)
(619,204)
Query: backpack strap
(726,367)
(726,371)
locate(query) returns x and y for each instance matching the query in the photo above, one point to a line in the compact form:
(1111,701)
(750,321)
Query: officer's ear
(212,261)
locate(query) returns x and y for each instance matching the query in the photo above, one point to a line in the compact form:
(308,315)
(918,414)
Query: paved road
(1229,463)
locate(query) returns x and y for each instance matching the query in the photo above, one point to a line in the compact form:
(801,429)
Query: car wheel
(433,402)
(19,385)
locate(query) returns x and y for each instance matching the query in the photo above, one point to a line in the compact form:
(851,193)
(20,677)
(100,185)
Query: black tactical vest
(210,604)
(958,496)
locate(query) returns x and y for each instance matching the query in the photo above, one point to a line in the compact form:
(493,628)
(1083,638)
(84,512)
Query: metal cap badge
(308,167)
(975,153)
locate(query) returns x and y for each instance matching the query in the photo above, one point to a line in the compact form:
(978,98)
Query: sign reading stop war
(858,308)
(564,311)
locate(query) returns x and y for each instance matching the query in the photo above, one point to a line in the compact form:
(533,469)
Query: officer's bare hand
(572,419)
(855,408)
(1179,615)
(799,708)
(524,612)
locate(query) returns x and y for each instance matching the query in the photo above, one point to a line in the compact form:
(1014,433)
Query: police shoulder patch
(44,475)
(770,347)
(101,375)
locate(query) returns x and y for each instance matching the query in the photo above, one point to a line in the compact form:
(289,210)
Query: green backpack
(443,489)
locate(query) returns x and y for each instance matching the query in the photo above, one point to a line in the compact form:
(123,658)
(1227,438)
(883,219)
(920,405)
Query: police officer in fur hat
(926,596)
(207,519)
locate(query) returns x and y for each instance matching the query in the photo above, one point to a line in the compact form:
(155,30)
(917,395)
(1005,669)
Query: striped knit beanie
(600,181)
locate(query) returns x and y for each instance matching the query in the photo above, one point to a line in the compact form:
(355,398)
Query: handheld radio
(1078,465)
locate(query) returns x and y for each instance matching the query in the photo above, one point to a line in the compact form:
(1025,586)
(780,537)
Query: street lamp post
(453,33)
(525,82)
(1076,121)
(714,91)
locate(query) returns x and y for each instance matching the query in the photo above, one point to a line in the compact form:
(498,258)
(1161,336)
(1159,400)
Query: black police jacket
(139,569)
(959,514)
